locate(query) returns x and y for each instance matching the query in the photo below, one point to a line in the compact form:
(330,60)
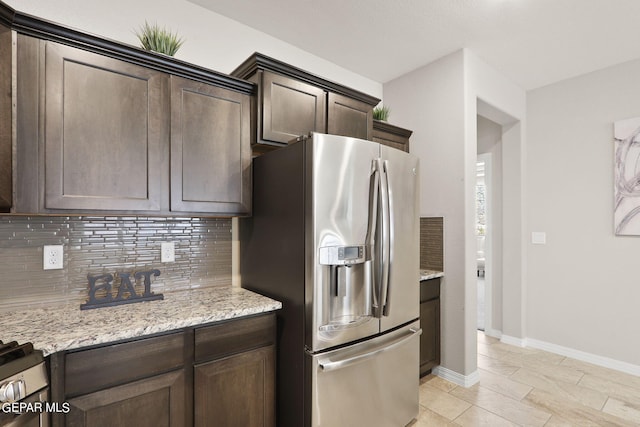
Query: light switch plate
(539,238)
(52,257)
(167,252)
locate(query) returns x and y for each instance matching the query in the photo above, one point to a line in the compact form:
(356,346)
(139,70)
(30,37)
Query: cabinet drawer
(227,338)
(90,370)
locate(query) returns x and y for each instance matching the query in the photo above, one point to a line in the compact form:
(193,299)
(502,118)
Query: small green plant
(157,39)
(381,113)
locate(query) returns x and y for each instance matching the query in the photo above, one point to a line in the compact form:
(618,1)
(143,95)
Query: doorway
(481,235)
(488,228)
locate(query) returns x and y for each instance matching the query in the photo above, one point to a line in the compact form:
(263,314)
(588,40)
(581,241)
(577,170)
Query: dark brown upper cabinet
(390,135)
(290,108)
(210,148)
(93,126)
(293,102)
(105,131)
(349,117)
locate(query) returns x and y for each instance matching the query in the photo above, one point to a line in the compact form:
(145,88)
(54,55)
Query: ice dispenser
(347,282)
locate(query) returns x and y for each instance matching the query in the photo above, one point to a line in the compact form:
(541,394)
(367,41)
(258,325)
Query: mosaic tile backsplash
(431,243)
(97,245)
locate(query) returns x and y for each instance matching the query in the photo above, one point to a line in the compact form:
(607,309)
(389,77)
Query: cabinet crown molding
(33,26)
(393,129)
(259,61)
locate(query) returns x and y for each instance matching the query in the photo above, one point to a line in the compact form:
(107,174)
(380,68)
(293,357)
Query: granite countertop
(66,327)
(430,274)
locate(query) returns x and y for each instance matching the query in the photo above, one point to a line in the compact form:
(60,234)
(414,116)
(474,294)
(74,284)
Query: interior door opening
(481,236)
(488,221)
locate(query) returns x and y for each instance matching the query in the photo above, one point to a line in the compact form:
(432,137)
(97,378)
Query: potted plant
(158,39)
(381,113)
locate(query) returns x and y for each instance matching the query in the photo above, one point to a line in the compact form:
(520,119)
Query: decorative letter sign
(102,285)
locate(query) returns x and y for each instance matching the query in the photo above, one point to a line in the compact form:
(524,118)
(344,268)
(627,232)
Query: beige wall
(439,103)
(430,101)
(584,284)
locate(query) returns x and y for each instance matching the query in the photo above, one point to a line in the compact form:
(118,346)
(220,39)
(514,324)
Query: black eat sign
(126,290)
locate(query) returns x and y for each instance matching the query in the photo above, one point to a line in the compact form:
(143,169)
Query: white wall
(584,284)
(212,40)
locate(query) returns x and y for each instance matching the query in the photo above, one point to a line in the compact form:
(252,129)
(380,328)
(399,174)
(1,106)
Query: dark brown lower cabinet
(236,391)
(430,325)
(6,186)
(222,374)
(151,402)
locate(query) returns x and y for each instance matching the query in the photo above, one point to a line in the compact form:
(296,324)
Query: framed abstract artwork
(626,213)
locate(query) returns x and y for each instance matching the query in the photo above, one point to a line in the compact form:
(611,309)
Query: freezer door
(373,383)
(339,286)
(401,297)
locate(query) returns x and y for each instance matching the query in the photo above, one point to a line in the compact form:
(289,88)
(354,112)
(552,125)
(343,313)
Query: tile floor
(527,387)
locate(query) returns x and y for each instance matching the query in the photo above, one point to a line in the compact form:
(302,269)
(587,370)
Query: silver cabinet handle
(327,365)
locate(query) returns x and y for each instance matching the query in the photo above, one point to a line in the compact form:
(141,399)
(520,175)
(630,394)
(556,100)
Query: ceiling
(531,42)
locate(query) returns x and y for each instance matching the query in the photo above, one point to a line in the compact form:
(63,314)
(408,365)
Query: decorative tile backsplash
(96,245)
(431,243)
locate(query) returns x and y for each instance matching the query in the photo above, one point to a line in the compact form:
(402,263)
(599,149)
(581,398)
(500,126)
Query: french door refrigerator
(334,236)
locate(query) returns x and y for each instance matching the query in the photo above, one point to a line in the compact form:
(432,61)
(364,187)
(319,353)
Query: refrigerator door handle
(329,365)
(386,238)
(374,189)
(374,186)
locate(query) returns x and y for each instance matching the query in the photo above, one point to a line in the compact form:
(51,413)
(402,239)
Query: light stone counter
(430,274)
(66,327)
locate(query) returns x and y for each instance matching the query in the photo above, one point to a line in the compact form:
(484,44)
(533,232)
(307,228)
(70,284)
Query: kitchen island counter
(66,327)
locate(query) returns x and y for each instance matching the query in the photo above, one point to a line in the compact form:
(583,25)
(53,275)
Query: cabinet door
(210,148)
(153,402)
(290,108)
(430,338)
(6,125)
(105,131)
(349,117)
(236,391)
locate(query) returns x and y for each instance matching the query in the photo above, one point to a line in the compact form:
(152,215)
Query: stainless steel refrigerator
(334,236)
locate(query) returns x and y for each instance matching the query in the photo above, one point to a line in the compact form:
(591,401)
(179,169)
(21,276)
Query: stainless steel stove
(24,387)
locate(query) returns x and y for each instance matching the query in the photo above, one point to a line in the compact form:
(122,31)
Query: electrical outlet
(167,252)
(53,257)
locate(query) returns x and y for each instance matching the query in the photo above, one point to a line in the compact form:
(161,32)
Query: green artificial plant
(381,113)
(158,39)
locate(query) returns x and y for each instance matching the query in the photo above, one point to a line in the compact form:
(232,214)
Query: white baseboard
(518,342)
(456,378)
(594,359)
(493,333)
